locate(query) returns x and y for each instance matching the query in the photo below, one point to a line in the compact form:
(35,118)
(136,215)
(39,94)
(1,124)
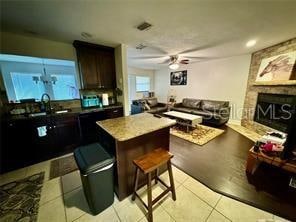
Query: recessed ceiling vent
(140,46)
(86,35)
(144,26)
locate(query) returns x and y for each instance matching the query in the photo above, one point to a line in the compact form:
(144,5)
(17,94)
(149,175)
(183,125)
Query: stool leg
(150,216)
(171,179)
(156,176)
(135,183)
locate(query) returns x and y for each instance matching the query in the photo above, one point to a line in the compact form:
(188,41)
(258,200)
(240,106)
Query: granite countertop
(125,128)
(71,111)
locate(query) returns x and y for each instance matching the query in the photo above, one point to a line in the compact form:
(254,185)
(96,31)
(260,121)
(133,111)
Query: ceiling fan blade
(195,57)
(165,61)
(147,57)
(184,61)
(203,47)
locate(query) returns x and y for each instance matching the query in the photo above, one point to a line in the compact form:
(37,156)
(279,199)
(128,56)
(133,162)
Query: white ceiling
(205,28)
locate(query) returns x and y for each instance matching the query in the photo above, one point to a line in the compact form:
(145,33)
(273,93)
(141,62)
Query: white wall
(122,76)
(221,79)
(132,73)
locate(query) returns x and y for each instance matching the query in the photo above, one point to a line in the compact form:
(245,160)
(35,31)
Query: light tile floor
(62,199)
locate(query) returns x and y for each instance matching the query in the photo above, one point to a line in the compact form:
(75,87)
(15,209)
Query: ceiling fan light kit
(174,66)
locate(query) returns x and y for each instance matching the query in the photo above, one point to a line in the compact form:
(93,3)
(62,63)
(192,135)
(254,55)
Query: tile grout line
(76,218)
(166,210)
(63,196)
(213,209)
(116,212)
(218,210)
(198,197)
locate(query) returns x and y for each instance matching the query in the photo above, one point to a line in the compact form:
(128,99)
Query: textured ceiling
(208,29)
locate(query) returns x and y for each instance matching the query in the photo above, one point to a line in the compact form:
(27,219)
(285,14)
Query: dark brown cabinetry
(15,144)
(88,126)
(114,113)
(22,146)
(96,65)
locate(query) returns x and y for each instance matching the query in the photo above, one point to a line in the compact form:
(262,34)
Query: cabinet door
(89,127)
(87,61)
(66,134)
(114,113)
(15,145)
(106,69)
(43,145)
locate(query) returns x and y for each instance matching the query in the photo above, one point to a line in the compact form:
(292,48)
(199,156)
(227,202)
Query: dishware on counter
(17,111)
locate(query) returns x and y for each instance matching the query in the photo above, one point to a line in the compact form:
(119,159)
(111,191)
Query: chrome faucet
(43,103)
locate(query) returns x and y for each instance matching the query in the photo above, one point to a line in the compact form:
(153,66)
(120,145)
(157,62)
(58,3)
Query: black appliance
(278,112)
(275,110)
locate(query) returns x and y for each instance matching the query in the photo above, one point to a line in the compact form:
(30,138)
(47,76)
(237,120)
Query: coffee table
(185,119)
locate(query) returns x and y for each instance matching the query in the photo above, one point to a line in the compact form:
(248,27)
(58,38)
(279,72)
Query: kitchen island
(128,138)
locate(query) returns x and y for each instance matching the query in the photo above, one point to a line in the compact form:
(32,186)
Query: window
(24,87)
(142,83)
(29,77)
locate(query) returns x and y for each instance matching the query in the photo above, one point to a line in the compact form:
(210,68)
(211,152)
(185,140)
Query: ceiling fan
(174,62)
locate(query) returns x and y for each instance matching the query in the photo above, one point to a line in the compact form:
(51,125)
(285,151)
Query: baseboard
(234,121)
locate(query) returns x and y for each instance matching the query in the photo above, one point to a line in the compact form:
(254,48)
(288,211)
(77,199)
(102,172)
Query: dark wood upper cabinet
(96,65)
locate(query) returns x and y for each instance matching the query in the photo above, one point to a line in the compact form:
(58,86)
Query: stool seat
(153,160)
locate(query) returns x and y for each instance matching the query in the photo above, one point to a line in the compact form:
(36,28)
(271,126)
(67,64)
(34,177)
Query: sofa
(150,105)
(213,112)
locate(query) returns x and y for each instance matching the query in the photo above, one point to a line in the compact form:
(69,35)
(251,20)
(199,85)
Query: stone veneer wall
(252,90)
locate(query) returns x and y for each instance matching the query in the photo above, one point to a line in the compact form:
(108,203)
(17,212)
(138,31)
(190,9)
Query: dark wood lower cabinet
(62,136)
(22,146)
(16,144)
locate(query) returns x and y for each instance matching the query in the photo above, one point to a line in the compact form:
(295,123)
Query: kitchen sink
(62,111)
(37,114)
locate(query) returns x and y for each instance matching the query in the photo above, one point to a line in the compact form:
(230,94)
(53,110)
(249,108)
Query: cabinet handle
(115,111)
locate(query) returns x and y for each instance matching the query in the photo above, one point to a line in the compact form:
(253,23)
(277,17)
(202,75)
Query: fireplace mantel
(276,83)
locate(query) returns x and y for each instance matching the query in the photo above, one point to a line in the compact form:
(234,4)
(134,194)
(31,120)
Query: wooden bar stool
(147,164)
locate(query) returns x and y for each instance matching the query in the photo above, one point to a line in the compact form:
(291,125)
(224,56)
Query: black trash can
(96,171)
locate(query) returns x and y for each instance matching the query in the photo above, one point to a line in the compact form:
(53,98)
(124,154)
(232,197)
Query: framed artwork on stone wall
(277,68)
(179,78)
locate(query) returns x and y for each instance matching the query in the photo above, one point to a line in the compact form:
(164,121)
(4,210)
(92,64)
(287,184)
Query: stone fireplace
(253,90)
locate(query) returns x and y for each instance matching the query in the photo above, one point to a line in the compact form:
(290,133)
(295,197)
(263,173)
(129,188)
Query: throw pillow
(152,102)
(147,107)
(191,103)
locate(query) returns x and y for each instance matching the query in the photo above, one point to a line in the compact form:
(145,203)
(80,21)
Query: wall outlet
(293,182)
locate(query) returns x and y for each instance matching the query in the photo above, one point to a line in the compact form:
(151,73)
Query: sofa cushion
(157,109)
(152,102)
(191,103)
(139,102)
(183,109)
(213,105)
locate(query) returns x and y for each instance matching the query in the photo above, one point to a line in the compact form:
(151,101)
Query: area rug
(62,166)
(200,135)
(19,200)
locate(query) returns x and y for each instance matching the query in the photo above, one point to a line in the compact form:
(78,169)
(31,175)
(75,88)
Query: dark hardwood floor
(220,165)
